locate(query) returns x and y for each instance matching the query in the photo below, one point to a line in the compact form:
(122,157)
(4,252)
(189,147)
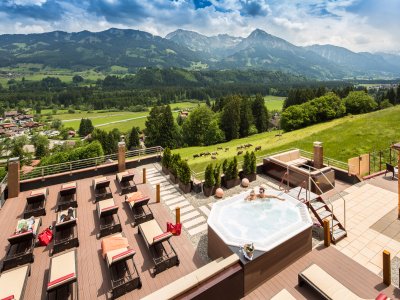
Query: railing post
(380,160)
(177,215)
(70,169)
(42,173)
(144,175)
(158,193)
(121,157)
(327,233)
(13,177)
(386,269)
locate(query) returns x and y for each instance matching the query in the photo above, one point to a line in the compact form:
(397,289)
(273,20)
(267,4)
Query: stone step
(156,178)
(181,204)
(194,222)
(189,216)
(205,210)
(168,190)
(159,181)
(172,196)
(198,229)
(175,200)
(184,209)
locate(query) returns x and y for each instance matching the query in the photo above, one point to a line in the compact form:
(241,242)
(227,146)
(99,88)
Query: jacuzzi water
(264,222)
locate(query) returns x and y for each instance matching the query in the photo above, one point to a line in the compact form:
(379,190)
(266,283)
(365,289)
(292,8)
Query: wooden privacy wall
(359,165)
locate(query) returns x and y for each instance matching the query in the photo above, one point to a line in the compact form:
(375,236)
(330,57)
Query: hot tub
(281,232)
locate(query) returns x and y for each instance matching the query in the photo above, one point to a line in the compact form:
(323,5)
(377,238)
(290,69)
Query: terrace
(355,261)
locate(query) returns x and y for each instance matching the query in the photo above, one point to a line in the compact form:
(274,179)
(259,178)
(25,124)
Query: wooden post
(144,175)
(327,233)
(158,195)
(13,177)
(177,215)
(386,268)
(398,183)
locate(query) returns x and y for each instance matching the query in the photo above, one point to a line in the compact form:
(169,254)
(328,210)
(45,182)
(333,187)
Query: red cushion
(123,254)
(109,208)
(61,279)
(162,237)
(19,234)
(381,296)
(8,298)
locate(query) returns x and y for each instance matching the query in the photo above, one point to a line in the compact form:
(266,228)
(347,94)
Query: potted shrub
(173,168)
(249,167)
(166,161)
(184,177)
(217,176)
(231,176)
(209,181)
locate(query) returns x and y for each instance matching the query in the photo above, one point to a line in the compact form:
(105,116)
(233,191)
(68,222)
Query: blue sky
(360,25)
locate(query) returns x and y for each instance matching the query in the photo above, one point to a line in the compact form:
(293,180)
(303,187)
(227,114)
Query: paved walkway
(194,220)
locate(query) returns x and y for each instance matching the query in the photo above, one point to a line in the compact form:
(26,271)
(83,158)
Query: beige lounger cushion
(12,282)
(121,175)
(67,186)
(65,212)
(283,295)
(38,192)
(104,205)
(34,231)
(118,254)
(327,284)
(63,269)
(150,229)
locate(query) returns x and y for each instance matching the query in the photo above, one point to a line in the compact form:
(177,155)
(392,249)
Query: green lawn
(343,138)
(274,102)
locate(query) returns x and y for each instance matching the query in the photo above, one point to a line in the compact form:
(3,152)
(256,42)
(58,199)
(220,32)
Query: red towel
(174,229)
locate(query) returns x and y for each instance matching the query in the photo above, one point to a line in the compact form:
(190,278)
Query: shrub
(253,163)
(224,166)
(166,159)
(217,175)
(184,172)
(246,164)
(174,165)
(359,102)
(209,179)
(232,171)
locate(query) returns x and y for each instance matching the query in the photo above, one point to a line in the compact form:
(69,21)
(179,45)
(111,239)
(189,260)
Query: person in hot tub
(262,194)
(252,195)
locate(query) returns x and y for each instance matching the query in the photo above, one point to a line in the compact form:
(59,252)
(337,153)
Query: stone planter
(209,191)
(165,170)
(230,183)
(173,178)
(250,177)
(185,188)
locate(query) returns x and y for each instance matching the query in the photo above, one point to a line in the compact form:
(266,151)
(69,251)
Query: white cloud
(27,2)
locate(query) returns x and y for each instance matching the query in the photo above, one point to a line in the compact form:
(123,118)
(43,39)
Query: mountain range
(134,49)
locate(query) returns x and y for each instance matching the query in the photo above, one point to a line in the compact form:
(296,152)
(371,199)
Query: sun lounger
(283,295)
(139,204)
(324,284)
(109,221)
(21,246)
(62,280)
(65,232)
(67,196)
(160,247)
(125,181)
(36,203)
(123,272)
(101,187)
(13,283)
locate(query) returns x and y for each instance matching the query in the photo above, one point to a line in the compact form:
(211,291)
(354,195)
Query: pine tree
(260,114)
(85,127)
(398,94)
(230,118)
(133,139)
(391,95)
(246,117)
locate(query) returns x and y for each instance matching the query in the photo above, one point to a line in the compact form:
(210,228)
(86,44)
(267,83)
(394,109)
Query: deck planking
(93,277)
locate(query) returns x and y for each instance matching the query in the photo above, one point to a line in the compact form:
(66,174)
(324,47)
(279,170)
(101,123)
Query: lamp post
(397,148)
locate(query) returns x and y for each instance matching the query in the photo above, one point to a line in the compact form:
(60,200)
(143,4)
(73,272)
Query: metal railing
(145,152)
(327,161)
(379,158)
(3,186)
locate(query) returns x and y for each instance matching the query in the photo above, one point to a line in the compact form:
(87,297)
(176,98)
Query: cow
(207,153)
(219,148)
(226,149)
(257,148)
(196,155)
(239,147)
(213,157)
(240,152)
(214,153)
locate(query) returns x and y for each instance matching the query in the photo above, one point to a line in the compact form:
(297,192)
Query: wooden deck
(351,274)
(93,278)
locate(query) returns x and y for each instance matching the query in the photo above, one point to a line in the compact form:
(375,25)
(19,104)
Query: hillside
(121,51)
(343,138)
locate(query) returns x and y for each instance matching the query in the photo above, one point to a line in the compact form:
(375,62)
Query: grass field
(274,102)
(105,120)
(342,138)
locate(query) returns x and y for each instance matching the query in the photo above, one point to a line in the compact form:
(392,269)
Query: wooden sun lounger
(283,295)
(126,182)
(13,283)
(36,203)
(123,271)
(324,284)
(67,196)
(164,255)
(140,209)
(101,187)
(109,220)
(21,247)
(62,280)
(65,233)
